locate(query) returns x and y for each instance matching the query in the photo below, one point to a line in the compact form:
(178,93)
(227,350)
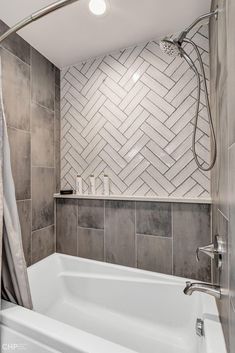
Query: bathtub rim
(147,273)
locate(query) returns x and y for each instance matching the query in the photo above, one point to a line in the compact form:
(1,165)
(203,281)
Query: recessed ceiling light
(98,7)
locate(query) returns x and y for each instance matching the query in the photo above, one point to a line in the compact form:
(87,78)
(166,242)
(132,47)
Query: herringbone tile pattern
(130,114)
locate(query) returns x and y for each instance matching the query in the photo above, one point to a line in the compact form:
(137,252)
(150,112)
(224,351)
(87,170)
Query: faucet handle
(215,250)
(208,250)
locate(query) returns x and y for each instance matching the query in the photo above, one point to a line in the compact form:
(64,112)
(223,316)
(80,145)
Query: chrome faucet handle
(215,250)
(208,250)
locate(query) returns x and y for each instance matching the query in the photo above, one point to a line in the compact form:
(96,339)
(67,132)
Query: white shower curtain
(14,279)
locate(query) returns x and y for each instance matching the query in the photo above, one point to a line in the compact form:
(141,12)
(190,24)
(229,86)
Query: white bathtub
(88,306)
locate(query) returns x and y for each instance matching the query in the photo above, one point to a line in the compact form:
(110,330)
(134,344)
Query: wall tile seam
(172,236)
(23,200)
(77,227)
(104,251)
(42,167)
(154,236)
(30,125)
(54,206)
(211,238)
(17,129)
(232,304)
(222,214)
(54,136)
(43,106)
(36,230)
(136,245)
(89,228)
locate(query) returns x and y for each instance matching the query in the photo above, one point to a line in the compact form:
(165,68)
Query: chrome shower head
(170,46)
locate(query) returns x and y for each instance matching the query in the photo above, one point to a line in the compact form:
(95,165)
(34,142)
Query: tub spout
(207,288)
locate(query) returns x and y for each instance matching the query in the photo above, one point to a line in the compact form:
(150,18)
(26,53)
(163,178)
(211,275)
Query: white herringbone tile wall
(130,115)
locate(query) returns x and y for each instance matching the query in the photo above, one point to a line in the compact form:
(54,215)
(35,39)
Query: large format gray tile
(43,243)
(120,232)
(91,243)
(57,76)
(43,80)
(222,154)
(57,137)
(16,91)
(15,44)
(223,276)
(231,70)
(153,218)
(231,240)
(232,329)
(42,197)
(154,253)
(20,162)
(42,136)
(66,226)
(24,210)
(191,228)
(91,214)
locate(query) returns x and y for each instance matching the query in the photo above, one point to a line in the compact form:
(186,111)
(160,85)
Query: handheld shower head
(170,47)
(173,47)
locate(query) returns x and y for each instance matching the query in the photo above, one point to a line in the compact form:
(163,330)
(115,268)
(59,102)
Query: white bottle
(106,185)
(92,184)
(79,185)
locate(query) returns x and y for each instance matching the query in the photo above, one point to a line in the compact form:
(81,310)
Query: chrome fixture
(173,47)
(215,250)
(35,16)
(200,327)
(207,288)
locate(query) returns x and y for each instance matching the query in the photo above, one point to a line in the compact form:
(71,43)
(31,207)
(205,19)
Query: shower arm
(35,16)
(183,34)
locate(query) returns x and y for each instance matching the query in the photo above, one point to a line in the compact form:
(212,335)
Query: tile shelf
(135,198)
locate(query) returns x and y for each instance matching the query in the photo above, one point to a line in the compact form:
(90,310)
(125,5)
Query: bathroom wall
(31,86)
(222,59)
(154,236)
(129,114)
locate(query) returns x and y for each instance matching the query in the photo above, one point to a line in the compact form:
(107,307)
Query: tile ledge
(136,198)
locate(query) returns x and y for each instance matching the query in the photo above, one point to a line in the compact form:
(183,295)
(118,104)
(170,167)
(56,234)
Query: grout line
(136,243)
(55,225)
(42,166)
(104,233)
(43,106)
(17,129)
(223,214)
(172,238)
(154,236)
(36,230)
(31,170)
(54,176)
(77,226)
(24,200)
(89,228)
(211,238)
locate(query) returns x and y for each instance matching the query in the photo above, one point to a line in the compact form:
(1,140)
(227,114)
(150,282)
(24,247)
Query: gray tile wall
(31,94)
(222,43)
(154,236)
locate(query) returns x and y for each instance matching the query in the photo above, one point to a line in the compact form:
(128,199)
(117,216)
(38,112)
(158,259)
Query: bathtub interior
(136,309)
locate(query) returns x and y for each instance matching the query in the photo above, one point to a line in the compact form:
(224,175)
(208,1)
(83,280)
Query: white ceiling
(72,34)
